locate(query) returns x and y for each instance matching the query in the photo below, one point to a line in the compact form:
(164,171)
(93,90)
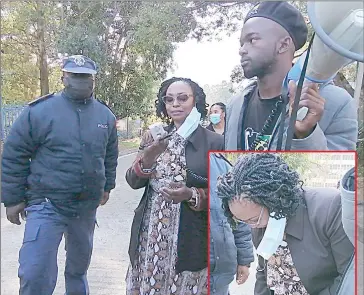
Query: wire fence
(9,113)
(127,128)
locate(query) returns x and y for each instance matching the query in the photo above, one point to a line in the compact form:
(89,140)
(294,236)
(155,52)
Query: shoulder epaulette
(105,104)
(39,99)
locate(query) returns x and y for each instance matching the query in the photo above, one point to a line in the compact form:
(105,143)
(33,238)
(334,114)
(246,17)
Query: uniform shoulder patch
(40,99)
(104,103)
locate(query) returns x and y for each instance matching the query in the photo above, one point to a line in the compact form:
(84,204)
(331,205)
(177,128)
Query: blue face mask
(215,118)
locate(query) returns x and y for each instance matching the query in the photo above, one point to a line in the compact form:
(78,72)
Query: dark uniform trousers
(44,230)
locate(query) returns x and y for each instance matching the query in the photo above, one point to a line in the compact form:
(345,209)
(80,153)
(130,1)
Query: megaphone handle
(292,120)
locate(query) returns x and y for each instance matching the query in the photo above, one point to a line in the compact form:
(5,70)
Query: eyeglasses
(250,222)
(181,98)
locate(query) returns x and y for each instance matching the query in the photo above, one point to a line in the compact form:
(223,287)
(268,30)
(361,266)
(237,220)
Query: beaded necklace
(268,123)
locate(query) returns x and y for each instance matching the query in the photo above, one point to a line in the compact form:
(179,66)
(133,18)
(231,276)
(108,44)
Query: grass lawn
(129,144)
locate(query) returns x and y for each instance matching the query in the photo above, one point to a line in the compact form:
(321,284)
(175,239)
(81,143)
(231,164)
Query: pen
(142,147)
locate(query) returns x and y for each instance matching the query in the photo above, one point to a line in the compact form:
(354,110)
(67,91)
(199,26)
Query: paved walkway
(110,257)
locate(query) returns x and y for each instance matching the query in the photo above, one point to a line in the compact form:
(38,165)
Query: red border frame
(356,221)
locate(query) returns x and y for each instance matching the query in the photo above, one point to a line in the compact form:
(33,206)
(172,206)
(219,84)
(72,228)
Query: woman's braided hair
(265,179)
(198,94)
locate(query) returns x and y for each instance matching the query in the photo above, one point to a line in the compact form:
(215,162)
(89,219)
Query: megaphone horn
(337,42)
(345,21)
(339,30)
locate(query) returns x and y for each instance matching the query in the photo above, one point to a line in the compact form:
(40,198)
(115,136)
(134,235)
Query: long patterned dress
(154,270)
(282,275)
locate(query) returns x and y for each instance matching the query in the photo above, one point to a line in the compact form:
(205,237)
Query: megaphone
(347,190)
(337,42)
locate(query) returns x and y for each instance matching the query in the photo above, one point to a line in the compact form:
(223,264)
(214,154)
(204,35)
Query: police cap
(79,64)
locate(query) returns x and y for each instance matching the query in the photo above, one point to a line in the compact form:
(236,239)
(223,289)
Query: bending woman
(298,231)
(168,246)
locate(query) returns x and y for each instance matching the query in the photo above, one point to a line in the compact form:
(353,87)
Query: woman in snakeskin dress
(168,246)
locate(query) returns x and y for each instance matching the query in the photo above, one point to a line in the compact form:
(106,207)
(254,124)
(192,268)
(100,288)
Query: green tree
(132,41)
(219,93)
(27,34)
(299,162)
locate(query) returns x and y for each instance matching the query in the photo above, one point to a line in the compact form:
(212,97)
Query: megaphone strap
(292,121)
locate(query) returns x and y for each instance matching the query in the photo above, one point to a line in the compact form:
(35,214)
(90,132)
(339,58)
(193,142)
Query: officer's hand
(153,149)
(311,99)
(242,274)
(12,213)
(104,198)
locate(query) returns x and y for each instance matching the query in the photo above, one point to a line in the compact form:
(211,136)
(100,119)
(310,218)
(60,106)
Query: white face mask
(272,238)
(190,124)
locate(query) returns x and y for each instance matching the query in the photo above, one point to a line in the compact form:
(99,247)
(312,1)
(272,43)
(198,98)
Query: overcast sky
(207,62)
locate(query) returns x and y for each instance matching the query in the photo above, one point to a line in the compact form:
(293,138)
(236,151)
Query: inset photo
(282,223)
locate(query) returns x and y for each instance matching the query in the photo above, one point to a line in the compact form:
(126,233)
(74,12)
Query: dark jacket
(211,128)
(192,237)
(60,149)
(320,249)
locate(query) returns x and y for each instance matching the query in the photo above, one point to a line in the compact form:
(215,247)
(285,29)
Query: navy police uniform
(59,158)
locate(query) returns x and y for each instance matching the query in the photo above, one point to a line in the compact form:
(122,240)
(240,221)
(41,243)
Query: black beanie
(285,15)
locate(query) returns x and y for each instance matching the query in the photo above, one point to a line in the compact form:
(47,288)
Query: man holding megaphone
(327,115)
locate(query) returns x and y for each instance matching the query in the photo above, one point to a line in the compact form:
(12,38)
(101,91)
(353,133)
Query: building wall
(328,168)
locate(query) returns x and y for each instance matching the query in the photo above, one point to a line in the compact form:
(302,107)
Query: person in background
(58,165)
(298,231)
(168,246)
(217,118)
(231,251)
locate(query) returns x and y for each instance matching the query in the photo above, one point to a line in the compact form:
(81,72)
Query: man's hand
(177,194)
(311,99)
(12,213)
(242,274)
(104,198)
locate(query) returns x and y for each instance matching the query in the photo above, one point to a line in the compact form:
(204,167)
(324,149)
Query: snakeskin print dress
(282,275)
(154,270)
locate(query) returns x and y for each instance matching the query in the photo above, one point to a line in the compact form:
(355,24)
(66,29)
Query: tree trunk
(341,81)
(42,57)
(361,104)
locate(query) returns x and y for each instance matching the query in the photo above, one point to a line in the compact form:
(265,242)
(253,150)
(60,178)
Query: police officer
(59,164)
